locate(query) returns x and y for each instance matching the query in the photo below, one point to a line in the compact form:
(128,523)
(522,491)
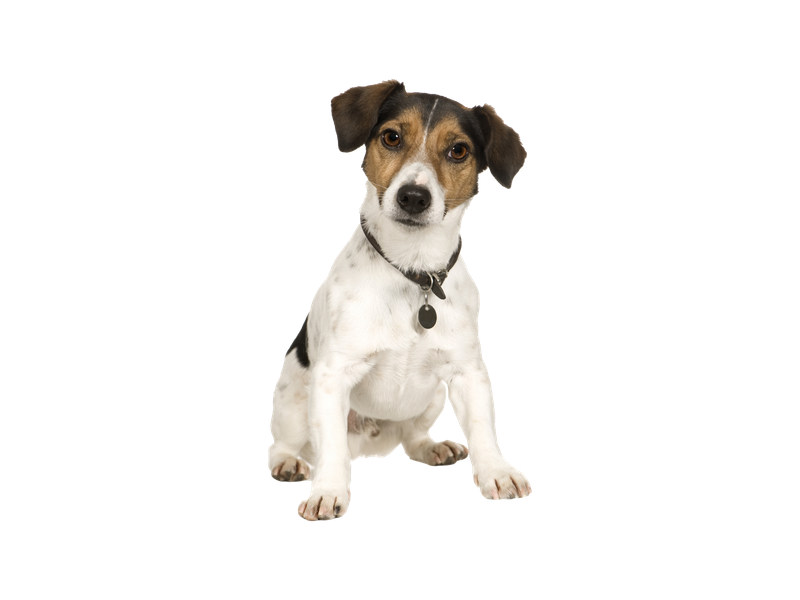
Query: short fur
(363,376)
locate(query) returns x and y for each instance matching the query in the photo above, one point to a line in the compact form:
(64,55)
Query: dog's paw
(445,453)
(291,469)
(502,482)
(324,505)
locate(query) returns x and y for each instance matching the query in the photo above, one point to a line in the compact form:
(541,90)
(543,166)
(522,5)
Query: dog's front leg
(332,379)
(471,397)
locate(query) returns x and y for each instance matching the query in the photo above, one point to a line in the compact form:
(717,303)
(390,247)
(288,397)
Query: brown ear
(355,112)
(504,152)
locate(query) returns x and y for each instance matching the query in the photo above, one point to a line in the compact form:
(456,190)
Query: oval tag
(427,316)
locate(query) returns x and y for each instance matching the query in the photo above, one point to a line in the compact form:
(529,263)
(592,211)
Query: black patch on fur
(301,344)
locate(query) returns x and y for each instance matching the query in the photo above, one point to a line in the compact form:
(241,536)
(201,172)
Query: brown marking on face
(457,178)
(381,164)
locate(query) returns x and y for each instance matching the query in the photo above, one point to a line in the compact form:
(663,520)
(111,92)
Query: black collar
(426,280)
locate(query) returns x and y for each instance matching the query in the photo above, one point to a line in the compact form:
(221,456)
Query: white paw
(502,482)
(324,505)
(291,469)
(437,453)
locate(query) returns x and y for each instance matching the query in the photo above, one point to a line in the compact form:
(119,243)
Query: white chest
(368,312)
(405,360)
(399,385)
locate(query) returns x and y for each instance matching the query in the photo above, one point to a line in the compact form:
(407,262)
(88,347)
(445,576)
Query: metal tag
(436,288)
(427,316)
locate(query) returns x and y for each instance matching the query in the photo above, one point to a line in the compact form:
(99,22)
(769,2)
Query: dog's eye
(391,138)
(458,152)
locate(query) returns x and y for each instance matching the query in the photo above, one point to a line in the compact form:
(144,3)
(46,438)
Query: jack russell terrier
(383,344)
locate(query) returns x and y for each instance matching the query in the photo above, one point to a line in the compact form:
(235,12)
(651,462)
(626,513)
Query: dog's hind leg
(419,445)
(290,422)
(368,437)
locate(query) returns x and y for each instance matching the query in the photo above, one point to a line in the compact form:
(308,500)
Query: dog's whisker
(377,186)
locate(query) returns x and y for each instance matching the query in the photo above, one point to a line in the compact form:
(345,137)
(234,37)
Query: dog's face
(420,156)
(423,152)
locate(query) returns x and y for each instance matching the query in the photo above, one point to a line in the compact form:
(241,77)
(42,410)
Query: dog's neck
(428,280)
(408,248)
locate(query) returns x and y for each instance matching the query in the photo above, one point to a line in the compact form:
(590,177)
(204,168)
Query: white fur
(428,123)
(369,354)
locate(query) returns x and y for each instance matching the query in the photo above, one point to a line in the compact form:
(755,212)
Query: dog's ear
(504,152)
(355,112)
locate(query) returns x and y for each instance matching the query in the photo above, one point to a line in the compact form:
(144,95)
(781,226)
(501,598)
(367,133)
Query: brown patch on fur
(380,163)
(355,112)
(504,152)
(458,179)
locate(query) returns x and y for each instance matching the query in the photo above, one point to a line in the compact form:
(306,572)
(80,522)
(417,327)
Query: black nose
(413,198)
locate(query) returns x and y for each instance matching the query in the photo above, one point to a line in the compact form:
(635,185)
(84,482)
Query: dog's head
(424,152)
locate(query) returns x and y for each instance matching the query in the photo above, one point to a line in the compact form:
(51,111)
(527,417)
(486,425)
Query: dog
(394,327)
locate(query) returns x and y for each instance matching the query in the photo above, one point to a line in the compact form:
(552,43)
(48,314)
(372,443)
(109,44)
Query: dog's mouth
(410,222)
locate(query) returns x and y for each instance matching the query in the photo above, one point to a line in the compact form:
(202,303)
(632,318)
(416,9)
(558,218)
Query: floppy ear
(504,152)
(355,112)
